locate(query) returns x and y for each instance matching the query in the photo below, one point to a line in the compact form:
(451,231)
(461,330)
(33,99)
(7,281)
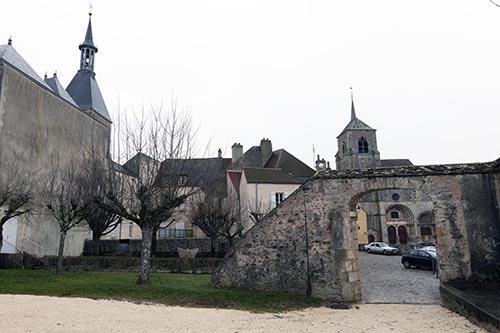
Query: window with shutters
(277,198)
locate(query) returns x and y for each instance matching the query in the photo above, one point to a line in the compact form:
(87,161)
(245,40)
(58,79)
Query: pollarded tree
(98,179)
(216,215)
(159,180)
(63,196)
(18,189)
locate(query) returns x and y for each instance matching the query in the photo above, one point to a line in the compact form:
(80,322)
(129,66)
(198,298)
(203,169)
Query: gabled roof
(9,55)
(199,172)
(58,89)
(269,176)
(281,159)
(395,163)
(86,93)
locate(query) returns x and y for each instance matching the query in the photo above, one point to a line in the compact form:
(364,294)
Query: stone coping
(414,170)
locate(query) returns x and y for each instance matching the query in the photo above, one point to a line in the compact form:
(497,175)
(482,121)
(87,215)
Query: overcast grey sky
(426,74)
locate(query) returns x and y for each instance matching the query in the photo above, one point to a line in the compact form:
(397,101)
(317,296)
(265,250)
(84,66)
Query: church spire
(88,49)
(353,112)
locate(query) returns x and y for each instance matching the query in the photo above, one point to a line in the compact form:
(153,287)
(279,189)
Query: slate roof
(356,124)
(58,89)
(86,93)
(9,55)
(199,172)
(269,176)
(89,41)
(281,159)
(395,163)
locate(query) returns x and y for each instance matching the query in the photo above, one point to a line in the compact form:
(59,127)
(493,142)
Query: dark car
(419,258)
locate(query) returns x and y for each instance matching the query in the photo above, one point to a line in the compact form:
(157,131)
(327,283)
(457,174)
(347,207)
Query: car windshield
(431,253)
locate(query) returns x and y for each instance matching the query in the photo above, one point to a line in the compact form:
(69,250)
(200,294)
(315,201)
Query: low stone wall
(166,248)
(131,264)
(478,308)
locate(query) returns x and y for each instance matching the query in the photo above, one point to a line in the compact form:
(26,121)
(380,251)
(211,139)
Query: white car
(380,247)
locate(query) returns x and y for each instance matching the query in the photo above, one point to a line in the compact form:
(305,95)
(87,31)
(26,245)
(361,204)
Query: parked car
(380,247)
(419,258)
(420,245)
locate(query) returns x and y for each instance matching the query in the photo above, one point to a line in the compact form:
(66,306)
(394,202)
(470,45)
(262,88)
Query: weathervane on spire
(90,8)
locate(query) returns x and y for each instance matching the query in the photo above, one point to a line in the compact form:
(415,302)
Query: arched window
(362,145)
(344,147)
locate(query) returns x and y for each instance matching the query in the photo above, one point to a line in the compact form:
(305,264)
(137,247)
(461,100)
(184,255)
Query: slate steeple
(88,49)
(83,88)
(353,112)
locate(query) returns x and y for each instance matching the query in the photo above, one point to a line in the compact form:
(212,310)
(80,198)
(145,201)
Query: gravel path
(50,314)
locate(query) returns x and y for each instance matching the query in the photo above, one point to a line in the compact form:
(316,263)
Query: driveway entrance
(385,280)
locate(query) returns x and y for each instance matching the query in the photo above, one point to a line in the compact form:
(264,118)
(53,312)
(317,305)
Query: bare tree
(18,189)
(98,179)
(216,216)
(158,148)
(64,198)
(258,211)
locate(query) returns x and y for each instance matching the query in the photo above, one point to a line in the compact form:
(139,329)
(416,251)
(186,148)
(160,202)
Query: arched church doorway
(391,233)
(403,237)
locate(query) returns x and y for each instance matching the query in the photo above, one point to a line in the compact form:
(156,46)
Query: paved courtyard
(385,280)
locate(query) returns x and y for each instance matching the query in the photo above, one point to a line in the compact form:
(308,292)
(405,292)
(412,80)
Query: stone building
(45,126)
(397,216)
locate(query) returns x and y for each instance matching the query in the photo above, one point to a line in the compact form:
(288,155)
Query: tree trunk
(61,252)
(95,244)
(213,243)
(1,236)
(145,266)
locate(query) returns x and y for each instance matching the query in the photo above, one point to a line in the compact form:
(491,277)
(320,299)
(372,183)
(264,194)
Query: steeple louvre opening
(88,49)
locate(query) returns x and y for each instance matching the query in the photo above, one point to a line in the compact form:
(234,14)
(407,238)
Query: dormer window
(362,145)
(182,180)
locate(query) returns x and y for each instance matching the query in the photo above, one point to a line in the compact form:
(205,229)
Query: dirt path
(50,314)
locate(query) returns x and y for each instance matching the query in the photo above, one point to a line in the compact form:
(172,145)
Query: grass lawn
(192,290)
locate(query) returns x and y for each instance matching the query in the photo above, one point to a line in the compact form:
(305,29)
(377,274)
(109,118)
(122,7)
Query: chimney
(237,152)
(266,150)
(219,153)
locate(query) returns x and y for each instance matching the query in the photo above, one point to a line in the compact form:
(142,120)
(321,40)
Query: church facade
(45,125)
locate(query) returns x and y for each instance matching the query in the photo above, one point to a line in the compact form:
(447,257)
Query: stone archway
(310,240)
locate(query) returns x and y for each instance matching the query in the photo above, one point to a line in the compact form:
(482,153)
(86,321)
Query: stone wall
(45,132)
(273,255)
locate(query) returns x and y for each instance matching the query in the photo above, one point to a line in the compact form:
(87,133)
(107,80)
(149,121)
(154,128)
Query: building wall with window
(261,197)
